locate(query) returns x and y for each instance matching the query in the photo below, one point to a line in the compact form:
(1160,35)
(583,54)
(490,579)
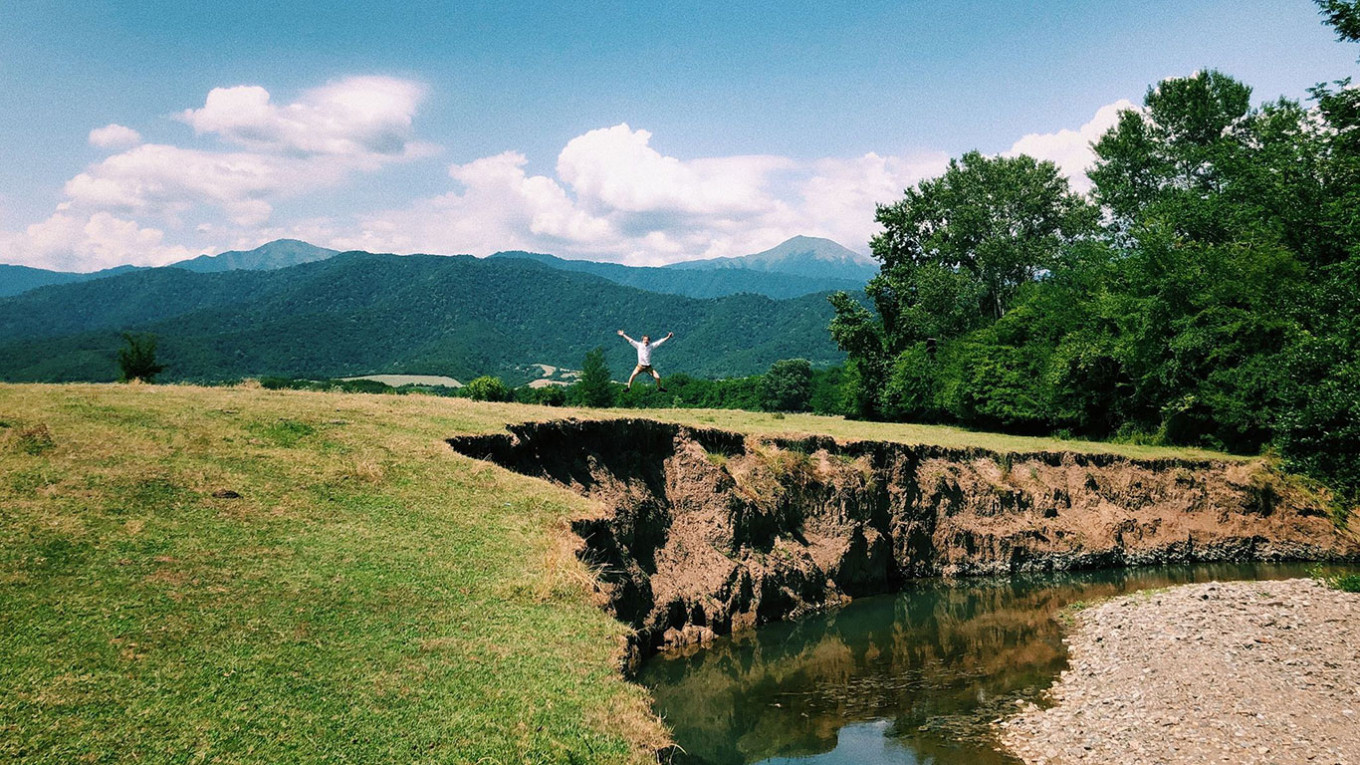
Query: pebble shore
(1244,672)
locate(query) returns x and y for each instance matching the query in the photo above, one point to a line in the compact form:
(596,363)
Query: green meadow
(241,575)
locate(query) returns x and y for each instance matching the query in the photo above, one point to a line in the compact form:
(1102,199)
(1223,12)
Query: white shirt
(645,350)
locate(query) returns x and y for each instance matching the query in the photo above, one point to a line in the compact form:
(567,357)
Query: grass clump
(283,432)
(34,440)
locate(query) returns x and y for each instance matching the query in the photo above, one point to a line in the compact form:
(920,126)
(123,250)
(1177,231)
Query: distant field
(245,575)
(396,381)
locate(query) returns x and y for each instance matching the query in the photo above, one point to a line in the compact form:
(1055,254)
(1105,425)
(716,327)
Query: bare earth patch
(1246,672)
(396,381)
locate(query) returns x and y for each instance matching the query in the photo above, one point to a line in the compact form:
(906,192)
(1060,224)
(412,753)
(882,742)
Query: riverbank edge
(1243,672)
(705,531)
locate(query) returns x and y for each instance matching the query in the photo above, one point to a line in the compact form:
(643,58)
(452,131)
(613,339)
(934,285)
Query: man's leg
(633,375)
(657,375)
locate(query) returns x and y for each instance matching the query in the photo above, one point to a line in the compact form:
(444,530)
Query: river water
(914,677)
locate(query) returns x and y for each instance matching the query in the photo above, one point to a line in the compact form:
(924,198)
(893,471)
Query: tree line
(1203,292)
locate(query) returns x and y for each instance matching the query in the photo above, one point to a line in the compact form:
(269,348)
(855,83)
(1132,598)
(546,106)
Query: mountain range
(705,282)
(292,309)
(800,266)
(359,313)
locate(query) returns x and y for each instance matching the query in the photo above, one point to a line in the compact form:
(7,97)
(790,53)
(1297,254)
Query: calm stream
(913,677)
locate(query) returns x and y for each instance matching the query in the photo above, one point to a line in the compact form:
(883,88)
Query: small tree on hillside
(787,387)
(596,386)
(137,358)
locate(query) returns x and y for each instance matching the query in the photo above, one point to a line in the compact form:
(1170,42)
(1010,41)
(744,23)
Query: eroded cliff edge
(704,531)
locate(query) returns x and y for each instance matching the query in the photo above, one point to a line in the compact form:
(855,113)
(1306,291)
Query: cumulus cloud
(274,152)
(841,196)
(69,241)
(168,181)
(616,197)
(1070,149)
(611,194)
(114,136)
(353,117)
(615,168)
(359,124)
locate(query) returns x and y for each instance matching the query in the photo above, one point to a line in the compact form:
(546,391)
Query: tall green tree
(966,241)
(787,387)
(955,253)
(596,386)
(137,358)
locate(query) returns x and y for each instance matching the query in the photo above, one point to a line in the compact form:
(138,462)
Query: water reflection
(907,678)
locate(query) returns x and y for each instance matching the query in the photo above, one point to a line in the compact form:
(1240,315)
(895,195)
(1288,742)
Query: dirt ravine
(1246,672)
(704,531)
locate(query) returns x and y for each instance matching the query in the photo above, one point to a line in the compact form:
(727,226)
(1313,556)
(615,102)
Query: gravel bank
(1246,672)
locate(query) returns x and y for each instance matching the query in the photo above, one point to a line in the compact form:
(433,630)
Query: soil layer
(703,531)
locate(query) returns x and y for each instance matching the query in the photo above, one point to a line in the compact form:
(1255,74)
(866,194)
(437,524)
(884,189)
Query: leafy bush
(787,387)
(487,388)
(548,395)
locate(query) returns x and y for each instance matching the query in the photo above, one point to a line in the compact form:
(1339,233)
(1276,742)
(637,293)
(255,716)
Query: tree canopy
(1204,293)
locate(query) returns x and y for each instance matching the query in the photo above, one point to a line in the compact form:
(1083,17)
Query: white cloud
(615,168)
(500,208)
(359,124)
(611,195)
(167,181)
(68,241)
(114,136)
(615,197)
(1070,149)
(356,116)
(331,133)
(842,194)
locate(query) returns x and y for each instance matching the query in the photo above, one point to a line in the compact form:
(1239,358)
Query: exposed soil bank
(706,531)
(1246,672)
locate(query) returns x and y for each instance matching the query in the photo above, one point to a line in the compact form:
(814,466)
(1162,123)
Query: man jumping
(644,350)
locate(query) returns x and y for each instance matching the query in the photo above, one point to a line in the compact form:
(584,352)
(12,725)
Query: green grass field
(370,596)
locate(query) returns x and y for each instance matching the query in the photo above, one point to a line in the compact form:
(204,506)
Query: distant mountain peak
(810,256)
(280,253)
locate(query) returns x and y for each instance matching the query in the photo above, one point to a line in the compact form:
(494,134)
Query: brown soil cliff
(706,531)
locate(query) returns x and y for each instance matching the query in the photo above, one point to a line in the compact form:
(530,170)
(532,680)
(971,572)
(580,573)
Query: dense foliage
(820,391)
(487,388)
(787,387)
(1204,293)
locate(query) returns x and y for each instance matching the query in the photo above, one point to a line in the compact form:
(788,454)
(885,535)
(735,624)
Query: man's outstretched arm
(630,340)
(668,336)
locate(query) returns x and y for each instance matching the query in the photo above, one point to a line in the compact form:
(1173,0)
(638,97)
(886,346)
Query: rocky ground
(1247,672)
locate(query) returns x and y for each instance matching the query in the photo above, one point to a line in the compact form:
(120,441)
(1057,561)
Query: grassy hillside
(370,596)
(358,313)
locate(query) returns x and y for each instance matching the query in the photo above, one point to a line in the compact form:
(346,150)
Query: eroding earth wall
(704,531)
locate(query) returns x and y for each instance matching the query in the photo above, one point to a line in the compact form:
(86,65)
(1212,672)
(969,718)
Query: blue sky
(635,132)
